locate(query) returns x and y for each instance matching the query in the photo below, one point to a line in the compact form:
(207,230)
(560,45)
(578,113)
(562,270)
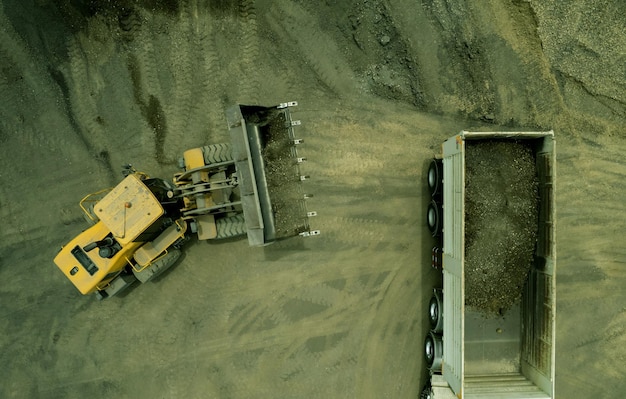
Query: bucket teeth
(287,104)
(310,233)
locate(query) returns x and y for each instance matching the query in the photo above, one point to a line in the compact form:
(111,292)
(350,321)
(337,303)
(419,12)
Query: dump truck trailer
(250,186)
(475,349)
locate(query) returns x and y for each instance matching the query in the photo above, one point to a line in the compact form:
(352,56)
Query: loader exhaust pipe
(108,247)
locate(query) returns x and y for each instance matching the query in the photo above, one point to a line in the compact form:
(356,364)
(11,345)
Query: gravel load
(283,179)
(501,211)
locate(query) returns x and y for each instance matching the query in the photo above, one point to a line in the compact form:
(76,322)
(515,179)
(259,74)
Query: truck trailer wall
(453,258)
(539,299)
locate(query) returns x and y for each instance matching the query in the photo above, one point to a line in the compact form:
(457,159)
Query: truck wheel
(435,316)
(217,153)
(433,348)
(231,226)
(435,177)
(427,393)
(434,218)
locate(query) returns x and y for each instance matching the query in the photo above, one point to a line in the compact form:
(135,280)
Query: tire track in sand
(320,53)
(249,86)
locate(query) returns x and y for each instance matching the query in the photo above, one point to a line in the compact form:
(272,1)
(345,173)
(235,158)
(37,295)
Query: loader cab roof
(129,209)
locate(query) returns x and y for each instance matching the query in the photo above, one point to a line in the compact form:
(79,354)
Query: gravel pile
(501,211)
(283,180)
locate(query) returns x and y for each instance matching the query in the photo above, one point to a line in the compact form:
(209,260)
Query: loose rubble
(501,223)
(283,181)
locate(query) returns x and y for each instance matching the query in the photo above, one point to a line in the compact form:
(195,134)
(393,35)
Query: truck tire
(427,393)
(217,153)
(231,226)
(435,315)
(435,177)
(434,218)
(433,349)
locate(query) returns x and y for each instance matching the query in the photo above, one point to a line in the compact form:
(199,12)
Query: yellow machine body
(126,211)
(223,191)
(87,270)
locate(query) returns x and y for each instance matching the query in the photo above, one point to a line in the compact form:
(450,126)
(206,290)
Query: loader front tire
(217,153)
(231,226)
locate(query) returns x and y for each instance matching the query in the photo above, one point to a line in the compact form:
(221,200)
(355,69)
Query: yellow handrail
(89,198)
(152,261)
(98,195)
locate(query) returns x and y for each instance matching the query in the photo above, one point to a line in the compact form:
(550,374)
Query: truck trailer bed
(510,356)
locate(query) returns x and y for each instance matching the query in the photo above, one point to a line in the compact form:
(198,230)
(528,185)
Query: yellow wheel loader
(250,186)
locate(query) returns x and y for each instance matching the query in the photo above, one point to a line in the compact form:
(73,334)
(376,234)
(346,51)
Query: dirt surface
(88,86)
(501,219)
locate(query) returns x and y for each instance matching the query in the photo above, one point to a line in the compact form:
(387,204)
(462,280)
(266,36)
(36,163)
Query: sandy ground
(380,85)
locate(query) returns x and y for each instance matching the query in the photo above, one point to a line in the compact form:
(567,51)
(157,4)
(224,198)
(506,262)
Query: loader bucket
(263,148)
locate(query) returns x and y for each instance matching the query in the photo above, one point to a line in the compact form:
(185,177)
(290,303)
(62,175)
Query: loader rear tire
(217,153)
(158,267)
(231,226)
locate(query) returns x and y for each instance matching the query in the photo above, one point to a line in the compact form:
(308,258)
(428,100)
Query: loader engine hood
(129,209)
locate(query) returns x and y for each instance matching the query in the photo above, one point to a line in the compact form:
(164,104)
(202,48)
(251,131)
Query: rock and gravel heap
(501,223)
(283,180)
